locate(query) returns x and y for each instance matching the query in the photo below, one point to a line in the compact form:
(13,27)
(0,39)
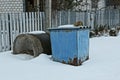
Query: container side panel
(83,44)
(64,45)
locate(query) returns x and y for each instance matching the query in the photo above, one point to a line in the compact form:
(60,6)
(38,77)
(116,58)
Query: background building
(35,5)
(11,6)
(112,2)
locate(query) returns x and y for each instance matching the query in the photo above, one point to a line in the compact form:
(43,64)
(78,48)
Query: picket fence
(13,24)
(108,17)
(70,17)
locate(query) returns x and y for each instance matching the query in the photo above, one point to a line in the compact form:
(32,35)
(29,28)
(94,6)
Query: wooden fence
(108,17)
(12,24)
(70,17)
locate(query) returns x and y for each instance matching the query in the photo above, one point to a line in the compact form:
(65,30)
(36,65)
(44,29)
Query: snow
(69,26)
(104,64)
(66,26)
(37,32)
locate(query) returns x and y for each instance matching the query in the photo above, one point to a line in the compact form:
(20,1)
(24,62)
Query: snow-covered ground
(104,64)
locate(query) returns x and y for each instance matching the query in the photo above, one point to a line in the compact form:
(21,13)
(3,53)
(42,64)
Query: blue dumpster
(70,45)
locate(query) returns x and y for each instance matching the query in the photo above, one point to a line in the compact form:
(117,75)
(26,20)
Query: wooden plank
(30,22)
(17,23)
(33,23)
(60,18)
(68,17)
(21,23)
(77,16)
(35,17)
(27,27)
(41,20)
(11,29)
(7,31)
(38,19)
(0,35)
(23,16)
(4,32)
(14,32)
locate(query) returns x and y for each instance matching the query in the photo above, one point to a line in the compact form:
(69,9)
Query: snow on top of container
(37,32)
(68,26)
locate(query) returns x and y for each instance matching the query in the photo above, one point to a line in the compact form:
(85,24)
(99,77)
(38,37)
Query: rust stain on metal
(75,61)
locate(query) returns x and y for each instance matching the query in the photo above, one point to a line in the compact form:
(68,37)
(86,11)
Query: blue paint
(70,45)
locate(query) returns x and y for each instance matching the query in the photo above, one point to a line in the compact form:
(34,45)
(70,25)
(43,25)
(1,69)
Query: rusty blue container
(70,45)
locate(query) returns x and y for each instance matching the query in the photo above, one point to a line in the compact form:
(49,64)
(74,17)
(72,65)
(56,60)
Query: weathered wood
(33,44)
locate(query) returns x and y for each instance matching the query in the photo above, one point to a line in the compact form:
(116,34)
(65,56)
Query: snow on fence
(12,24)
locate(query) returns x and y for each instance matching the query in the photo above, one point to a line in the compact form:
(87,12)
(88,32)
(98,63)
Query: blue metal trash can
(70,45)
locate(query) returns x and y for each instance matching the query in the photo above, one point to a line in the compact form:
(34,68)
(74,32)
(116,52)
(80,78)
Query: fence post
(7,28)
(0,35)
(68,17)
(27,28)
(48,14)
(30,23)
(4,31)
(41,24)
(119,16)
(38,20)
(33,24)
(60,17)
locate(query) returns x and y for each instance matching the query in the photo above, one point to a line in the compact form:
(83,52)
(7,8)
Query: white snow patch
(66,26)
(24,56)
(37,32)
